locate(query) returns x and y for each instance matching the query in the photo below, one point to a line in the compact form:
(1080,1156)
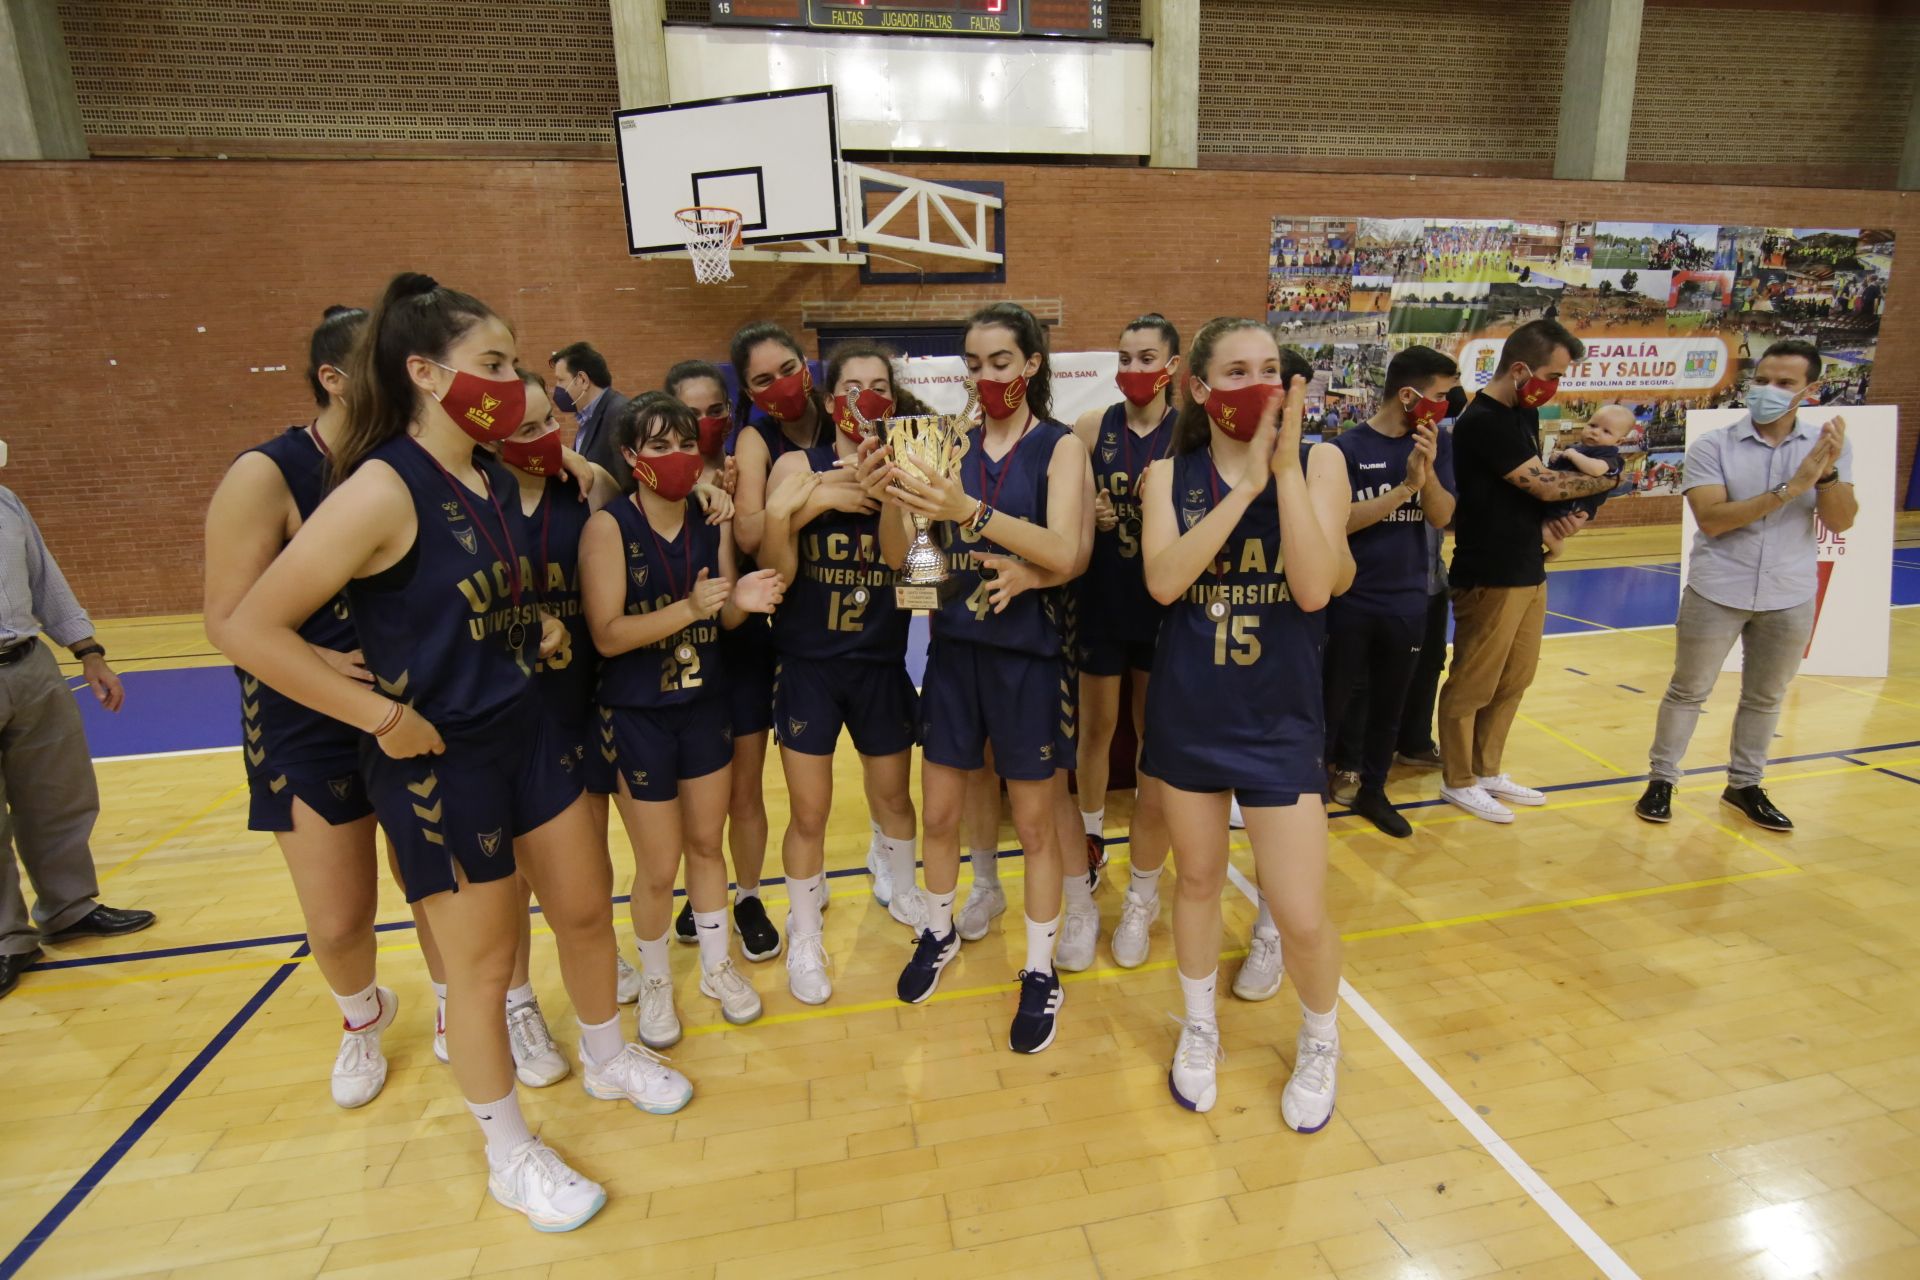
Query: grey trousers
(1772,643)
(48,803)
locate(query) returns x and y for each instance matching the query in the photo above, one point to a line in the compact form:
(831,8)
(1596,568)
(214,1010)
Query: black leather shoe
(1372,804)
(1752,802)
(11,967)
(101,922)
(683,930)
(1656,802)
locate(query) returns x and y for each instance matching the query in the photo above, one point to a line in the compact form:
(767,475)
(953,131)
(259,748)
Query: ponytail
(1168,334)
(330,344)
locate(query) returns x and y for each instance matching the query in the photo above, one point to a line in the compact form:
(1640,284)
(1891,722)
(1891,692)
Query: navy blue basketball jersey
(441,629)
(276,726)
(841,603)
(1017,486)
(550,536)
(660,572)
(1236,676)
(1113,595)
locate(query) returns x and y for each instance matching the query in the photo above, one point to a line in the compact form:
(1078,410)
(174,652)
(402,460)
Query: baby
(1597,454)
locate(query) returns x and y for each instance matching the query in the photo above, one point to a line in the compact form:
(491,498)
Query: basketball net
(710,233)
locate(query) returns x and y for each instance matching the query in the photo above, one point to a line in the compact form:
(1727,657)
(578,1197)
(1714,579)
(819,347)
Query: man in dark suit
(580,375)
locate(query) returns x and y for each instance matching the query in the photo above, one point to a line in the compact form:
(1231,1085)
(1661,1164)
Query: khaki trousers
(1496,645)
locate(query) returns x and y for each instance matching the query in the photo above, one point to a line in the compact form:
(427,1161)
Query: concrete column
(1596,97)
(39,115)
(640,51)
(1910,154)
(1174,28)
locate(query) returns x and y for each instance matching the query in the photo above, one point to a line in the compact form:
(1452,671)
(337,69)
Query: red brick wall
(122,413)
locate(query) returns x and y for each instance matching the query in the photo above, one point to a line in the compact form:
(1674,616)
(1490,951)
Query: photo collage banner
(1673,314)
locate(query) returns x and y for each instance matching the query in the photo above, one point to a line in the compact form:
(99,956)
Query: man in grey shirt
(48,799)
(1756,489)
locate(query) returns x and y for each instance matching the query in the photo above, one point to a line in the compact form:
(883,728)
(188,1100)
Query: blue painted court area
(195,708)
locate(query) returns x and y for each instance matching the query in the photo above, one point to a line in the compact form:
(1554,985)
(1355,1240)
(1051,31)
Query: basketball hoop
(710,233)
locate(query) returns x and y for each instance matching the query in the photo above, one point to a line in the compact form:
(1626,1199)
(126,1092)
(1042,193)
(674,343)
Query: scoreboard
(1083,19)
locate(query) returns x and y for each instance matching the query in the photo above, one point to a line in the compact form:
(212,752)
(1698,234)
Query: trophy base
(924,598)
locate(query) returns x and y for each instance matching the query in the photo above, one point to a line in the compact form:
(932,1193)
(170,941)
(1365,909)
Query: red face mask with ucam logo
(1237,411)
(539,456)
(485,408)
(1535,391)
(671,475)
(786,398)
(873,407)
(1140,386)
(1001,400)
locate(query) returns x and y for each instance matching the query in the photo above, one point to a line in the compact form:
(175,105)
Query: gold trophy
(924,446)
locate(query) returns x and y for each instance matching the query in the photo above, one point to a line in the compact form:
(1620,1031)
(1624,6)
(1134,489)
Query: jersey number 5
(1233,638)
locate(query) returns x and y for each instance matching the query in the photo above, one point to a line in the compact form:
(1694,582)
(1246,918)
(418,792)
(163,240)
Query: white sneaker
(360,1069)
(1191,1078)
(882,872)
(627,981)
(439,1039)
(807,976)
(739,1002)
(642,1077)
(1259,976)
(1137,915)
(1505,788)
(537,1182)
(909,907)
(1306,1104)
(535,1061)
(985,900)
(659,1023)
(1236,820)
(1079,936)
(1477,801)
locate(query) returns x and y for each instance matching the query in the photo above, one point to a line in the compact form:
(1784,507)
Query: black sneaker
(1038,1016)
(1427,757)
(1753,803)
(930,956)
(1372,804)
(683,929)
(758,938)
(1656,802)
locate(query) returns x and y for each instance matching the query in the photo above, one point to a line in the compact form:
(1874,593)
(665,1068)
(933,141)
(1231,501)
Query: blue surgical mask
(1769,404)
(563,399)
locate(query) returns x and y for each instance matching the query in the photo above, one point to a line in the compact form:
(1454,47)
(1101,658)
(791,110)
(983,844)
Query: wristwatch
(90,650)
(1832,477)
(1782,492)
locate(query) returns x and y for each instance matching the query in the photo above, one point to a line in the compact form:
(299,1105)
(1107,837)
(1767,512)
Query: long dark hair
(905,403)
(687,370)
(741,350)
(1168,334)
(330,344)
(416,317)
(1191,430)
(1031,337)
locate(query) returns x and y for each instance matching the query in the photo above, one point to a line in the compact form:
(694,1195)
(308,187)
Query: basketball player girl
(464,772)
(700,386)
(1118,620)
(999,678)
(658,584)
(1239,535)
(842,648)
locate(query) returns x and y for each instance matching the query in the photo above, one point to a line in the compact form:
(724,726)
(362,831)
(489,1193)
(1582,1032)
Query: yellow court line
(155,843)
(1739,837)
(1563,740)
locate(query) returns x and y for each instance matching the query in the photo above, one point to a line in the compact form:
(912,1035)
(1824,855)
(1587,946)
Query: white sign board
(1082,380)
(1852,616)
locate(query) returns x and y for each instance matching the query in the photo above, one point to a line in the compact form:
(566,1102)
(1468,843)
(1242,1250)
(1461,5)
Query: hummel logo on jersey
(490,841)
(1046,751)
(453,511)
(639,779)
(1373,466)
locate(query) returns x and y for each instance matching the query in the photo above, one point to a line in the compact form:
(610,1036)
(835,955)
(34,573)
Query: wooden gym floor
(1576,1046)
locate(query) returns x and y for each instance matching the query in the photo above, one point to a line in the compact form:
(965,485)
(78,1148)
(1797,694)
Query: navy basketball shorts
(1258,780)
(1109,653)
(466,805)
(586,750)
(333,789)
(747,656)
(976,694)
(658,748)
(875,701)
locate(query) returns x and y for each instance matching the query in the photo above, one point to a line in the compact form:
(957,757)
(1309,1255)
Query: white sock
(742,893)
(940,912)
(1040,944)
(710,929)
(502,1125)
(874,847)
(517,996)
(653,956)
(1078,892)
(361,1009)
(602,1044)
(1095,820)
(1265,923)
(1145,885)
(439,1007)
(1198,993)
(901,856)
(1322,1026)
(803,904)
(986,865)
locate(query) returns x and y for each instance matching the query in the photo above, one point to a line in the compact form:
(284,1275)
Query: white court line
(166,755)
(1599,1251)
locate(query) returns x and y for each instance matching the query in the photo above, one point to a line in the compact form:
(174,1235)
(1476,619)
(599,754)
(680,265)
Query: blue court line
(1630,689)
(1577,671)
(1891,773)
(114,1154)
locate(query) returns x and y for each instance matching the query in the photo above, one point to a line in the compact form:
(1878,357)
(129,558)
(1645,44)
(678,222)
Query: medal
(516,636)
(860,595)
(684,653)
(1217,610)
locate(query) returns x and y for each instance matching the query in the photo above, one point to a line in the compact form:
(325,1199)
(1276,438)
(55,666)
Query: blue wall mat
(174,710)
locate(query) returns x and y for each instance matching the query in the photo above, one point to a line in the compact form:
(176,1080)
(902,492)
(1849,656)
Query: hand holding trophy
(926,451)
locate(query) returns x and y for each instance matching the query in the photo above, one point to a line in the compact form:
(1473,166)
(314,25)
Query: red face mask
(1427,413)
(713,435)
(485,409)
(872,405)
(786,398)
(1536,391)
(1237,412)
(1001,400)
(671,475)
(1140,386)
(539,456)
